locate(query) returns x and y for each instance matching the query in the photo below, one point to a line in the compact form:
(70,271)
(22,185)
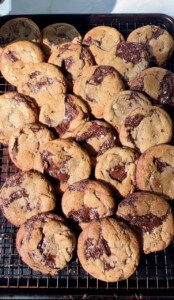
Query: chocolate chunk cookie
(59,33)
(145,127)
(22,29)
(15,111)
(72,59)
(97,85)
(87,200)
(129,59)
(64,113)
(25,142)
(45,243)
(42,81)
(157,40)
(24,195)
(97,137)
(155,170)
(156,82)
(116,110)
(108,250)
(152,215)
(117,167)
(100,40)
(15,56)
(64,160)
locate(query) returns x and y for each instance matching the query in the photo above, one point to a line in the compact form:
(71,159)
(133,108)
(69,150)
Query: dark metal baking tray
(154,278)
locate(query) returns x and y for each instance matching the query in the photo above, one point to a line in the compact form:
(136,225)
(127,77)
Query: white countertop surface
(86,6)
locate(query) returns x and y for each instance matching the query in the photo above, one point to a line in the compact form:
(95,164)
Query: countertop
(13,7)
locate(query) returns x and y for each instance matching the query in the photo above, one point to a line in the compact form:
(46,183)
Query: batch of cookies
(86,123)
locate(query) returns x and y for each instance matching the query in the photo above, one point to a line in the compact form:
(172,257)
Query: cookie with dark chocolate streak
(45,243)
(153,217)
(108,250)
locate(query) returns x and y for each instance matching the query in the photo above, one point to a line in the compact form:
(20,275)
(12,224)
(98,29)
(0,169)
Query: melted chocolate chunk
(79,186)
(58,172)
(89,41)
(160,165)
(85,214)
(15,147)
(107,145)
(95,130)
(147,223)
(11,56)
(71,113)
(69,61)
(166,93)
(157,32)
(15,180)
(85,56)
(63,48)
(118,172)
(49,260)
(96,251)
(15,196)
(100,73)
(130,52)
(44,82)
(108,266)
(133,121)
(130,199)
(34,74)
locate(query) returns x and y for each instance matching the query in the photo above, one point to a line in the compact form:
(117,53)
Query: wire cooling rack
(154,278)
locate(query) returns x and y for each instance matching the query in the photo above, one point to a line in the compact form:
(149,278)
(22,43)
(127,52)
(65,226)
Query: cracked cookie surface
(152,215)
(108,250)
(25,142)
(117,168)
(24,195)
(65,113)
(124,102)
(157,40)
(155,170)
(97,85)
(158,83)
(45,243)
(64,160)
(14,58)
(42,81)
(72,59)
(101,40)
(87,200)
(15,111)
(59,33)
(145,127)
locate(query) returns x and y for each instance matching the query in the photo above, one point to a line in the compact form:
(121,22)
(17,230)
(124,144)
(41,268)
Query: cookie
(24,195)
(42,81)
(100,40)
(15,56)
(22,29)
(153,217)
(97,137)
(45,243)
(72,59)
(117,168)
(129,59)
(145,127)
(25,142)
(157,40)
(108,250)
(97,86)
(65,114)
(155,170)
(15,111)
(87,200)
(64,160)
(158,83)
(116,110)
(59,33)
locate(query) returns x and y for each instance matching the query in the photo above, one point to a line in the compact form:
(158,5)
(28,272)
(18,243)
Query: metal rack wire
(155,272)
